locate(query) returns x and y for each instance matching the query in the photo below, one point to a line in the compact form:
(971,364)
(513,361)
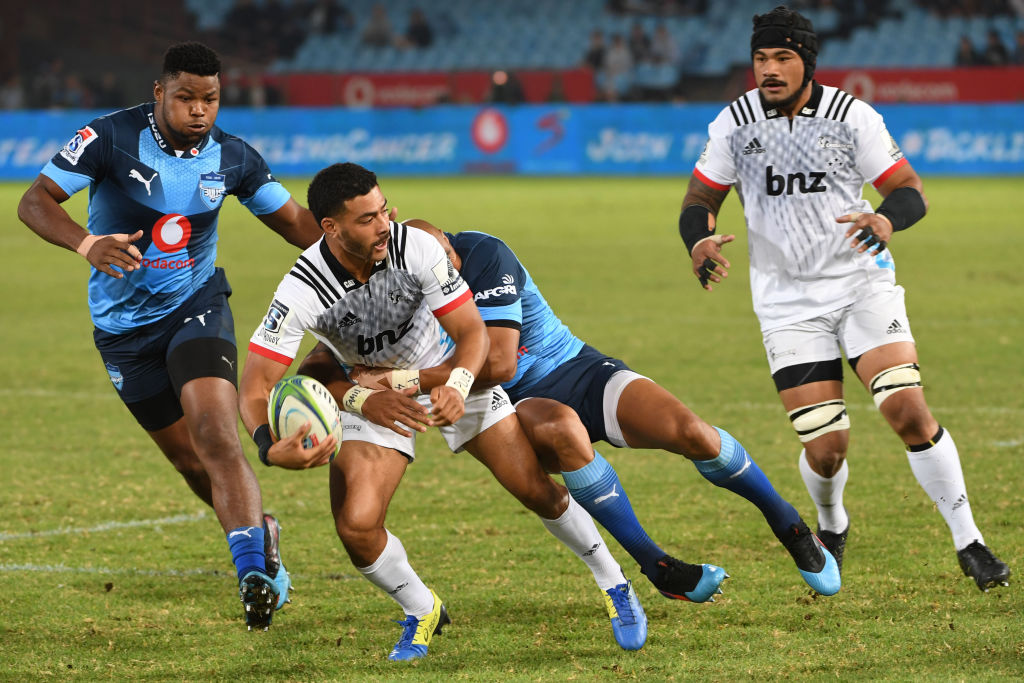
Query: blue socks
(733,469)
(597,489)
(246,543)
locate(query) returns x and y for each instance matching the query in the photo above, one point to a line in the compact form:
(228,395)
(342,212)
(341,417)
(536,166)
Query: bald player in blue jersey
(157,176)
(569,395)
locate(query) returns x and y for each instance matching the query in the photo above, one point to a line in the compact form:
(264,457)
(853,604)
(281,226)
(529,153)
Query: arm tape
(264,440)
(903,207)
(693,225)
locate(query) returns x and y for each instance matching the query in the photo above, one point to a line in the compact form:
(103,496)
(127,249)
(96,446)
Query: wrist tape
(461,380)
(86,245)
(354,399)
(405,379)
(264,440)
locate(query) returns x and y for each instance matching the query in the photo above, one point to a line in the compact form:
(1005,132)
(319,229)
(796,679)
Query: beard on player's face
(779,74)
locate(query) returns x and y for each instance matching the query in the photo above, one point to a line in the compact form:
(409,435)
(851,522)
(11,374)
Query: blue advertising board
(631,139)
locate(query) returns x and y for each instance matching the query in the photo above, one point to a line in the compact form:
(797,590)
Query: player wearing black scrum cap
(821,274)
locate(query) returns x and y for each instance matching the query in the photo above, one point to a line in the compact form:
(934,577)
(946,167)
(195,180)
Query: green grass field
(110,568)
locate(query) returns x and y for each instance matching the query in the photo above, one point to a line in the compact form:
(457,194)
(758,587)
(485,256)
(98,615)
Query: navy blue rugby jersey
(507,296)
(136,181)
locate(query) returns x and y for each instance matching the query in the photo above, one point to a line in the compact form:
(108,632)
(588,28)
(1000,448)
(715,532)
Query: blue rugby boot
(275,568)
(417,633)
(815,562)
(678,580)
(259,595)
(629,622)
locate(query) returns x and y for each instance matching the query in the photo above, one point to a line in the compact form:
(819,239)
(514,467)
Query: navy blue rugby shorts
(149,365)
(578,383)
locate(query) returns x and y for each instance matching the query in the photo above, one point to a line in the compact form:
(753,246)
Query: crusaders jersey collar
(348,280)
(809,109)
(162,142)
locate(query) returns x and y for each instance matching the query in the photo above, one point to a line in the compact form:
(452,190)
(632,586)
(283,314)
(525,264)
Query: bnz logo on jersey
(211,188)
(76,145)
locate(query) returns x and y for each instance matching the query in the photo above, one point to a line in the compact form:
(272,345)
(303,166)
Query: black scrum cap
(782,27)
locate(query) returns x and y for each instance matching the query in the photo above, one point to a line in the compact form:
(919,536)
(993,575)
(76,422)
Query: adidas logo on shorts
(895,328)
(497,401)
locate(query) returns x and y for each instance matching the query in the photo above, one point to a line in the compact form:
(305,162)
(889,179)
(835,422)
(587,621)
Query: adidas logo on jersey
(754,147)
(895,328)
(349,320)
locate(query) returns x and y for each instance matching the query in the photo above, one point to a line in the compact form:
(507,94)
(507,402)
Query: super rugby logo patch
(76,145)
(211,188)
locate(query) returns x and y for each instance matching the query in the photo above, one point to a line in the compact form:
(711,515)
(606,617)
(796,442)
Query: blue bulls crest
(211,188)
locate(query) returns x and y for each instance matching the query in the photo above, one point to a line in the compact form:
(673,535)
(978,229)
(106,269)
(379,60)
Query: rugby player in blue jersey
(157,176)
(569,395)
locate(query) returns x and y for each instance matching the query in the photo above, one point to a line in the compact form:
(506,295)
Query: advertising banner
(955,139)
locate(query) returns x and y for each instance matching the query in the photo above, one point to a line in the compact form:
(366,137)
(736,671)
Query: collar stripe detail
(321,294)
(314,271)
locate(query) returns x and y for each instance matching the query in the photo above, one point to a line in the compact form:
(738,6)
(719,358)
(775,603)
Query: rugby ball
(299,399)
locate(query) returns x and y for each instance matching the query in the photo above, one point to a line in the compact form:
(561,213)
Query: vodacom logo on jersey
(170,235)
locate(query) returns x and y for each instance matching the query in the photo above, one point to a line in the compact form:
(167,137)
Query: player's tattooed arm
(700,207)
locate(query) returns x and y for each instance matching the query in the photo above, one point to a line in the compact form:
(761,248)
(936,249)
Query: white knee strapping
(888,382)
(812,421)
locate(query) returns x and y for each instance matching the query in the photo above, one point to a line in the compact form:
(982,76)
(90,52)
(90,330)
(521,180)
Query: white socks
(827,495)
(393,574)
(938,471)
(576,529)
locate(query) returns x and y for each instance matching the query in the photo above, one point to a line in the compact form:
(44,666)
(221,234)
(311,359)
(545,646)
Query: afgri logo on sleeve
(76,145)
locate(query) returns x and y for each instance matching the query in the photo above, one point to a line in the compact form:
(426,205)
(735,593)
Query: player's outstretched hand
(106,251)
(290,454)
(870,231)
(448,405)
(709,265)
(386,407)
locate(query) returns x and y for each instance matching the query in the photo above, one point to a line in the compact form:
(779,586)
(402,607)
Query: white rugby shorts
(484,408)
(878,319)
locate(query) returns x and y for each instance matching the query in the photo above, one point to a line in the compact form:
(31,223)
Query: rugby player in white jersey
(821,275)
(374,291)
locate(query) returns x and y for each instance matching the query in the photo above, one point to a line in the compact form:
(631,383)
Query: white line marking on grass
(135,571)
(107,526)
(24,392)
(1012,443)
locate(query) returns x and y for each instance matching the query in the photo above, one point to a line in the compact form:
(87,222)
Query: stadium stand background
(78,54)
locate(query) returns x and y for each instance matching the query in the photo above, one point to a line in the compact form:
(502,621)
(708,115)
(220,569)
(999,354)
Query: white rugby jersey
(387,322)
(794,179)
